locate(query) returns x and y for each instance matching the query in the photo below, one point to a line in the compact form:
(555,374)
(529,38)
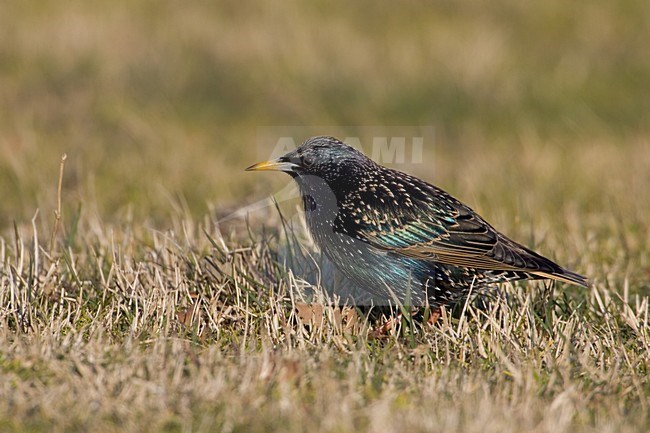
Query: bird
(401,239)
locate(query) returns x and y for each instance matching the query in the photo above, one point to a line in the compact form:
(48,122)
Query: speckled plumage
(398,237)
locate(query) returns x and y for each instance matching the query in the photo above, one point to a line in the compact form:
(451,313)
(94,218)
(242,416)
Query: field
(136,295)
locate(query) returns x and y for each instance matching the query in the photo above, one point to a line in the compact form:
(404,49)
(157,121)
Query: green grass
(145,311)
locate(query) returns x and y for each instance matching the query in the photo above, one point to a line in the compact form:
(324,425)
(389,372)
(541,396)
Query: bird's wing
(451,235)
(439,228)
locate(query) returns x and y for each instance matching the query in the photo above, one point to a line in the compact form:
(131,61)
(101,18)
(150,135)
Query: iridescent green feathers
(434,226)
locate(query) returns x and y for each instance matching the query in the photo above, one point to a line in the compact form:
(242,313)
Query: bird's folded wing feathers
(451,233)
(459,239)
(428,224)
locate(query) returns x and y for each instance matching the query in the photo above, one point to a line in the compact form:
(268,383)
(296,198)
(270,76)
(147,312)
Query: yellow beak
(275,165)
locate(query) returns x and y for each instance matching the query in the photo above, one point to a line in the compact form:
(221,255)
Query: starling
(398,237)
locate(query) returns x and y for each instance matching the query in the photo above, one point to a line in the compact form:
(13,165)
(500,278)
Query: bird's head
(324,157)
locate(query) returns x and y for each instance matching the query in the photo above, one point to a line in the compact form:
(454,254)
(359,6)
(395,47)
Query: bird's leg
(383,330)
(434,316)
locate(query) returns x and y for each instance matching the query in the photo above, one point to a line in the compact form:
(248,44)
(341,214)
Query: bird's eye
(308,160)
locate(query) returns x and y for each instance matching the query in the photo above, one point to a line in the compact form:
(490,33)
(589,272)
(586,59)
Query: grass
(132,329)
(146,310)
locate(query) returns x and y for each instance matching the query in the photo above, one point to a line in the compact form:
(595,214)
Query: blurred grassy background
(159,99)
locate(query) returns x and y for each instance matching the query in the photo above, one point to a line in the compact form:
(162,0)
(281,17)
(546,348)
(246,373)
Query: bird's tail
(565,276)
